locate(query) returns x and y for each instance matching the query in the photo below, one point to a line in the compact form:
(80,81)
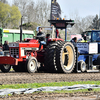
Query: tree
(30,12)
(34,12)
(4,14)
(96,23)
(30,26)
(42,12)
(15,16)
(22,5)
(9,16)
(82,24)
(3,1)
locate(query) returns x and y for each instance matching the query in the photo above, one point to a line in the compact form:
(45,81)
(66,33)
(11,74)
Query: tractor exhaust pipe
(21,30)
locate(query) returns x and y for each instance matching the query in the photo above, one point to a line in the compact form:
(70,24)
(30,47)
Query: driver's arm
(42,35)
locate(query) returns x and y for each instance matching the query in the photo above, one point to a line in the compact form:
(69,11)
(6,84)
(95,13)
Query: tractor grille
(14,52)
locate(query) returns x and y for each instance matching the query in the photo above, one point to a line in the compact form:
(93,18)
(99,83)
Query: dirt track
(54,96)
(18,78)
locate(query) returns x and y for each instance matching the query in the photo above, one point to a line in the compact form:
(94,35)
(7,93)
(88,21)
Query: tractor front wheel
(31,66)
(5,68)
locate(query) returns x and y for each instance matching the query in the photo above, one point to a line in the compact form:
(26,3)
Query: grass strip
(37,85)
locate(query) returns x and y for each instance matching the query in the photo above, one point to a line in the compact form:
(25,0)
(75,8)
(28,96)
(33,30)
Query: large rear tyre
(5,68)
(66,57)
(49,59)
(31,65)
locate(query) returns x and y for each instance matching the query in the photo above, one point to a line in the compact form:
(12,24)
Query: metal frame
(61,24)
(52,27)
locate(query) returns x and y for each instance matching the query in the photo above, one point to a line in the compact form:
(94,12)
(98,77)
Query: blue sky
(82,8)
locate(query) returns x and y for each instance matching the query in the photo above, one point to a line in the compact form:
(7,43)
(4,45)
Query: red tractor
(58,55)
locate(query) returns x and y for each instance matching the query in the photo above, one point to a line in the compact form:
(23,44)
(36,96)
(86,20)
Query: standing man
(1,49)
(85,40)
(74,41)
(6,48)
(41,37)
(58,35)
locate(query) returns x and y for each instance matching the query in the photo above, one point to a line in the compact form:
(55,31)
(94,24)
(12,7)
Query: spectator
(85,39)
(41,37)
(6,46)
(57,32)
(74,41)
(1,50)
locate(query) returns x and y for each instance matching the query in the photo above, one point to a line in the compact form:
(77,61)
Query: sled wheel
(82,66)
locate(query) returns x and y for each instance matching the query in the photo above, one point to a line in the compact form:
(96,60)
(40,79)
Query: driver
(41,37)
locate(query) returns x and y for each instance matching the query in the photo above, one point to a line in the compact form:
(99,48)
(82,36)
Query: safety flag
(55,10)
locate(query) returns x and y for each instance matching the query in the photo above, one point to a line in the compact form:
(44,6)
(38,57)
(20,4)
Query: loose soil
(54,96)
(20,78)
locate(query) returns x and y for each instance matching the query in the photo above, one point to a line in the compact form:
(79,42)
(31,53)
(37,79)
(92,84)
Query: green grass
(37,85)
(77,91)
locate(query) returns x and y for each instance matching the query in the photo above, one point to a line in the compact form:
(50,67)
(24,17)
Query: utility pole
(21,30)
(51,11)
(99,20)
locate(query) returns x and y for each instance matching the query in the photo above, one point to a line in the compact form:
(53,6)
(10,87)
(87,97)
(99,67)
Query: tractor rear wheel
(65,57)
(31,65)
(5,68)
(49,59)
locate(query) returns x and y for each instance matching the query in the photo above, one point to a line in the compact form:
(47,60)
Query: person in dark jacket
(74,41)
(6,46)
(41,37)
(1,50)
